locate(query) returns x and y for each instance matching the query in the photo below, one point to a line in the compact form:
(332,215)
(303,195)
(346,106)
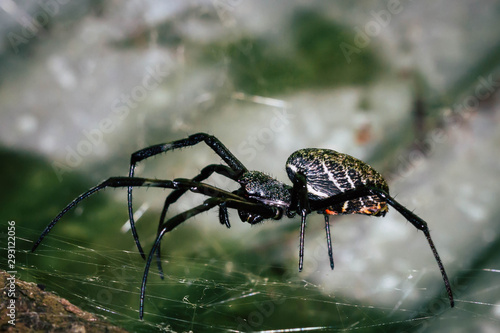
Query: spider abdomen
(329,173)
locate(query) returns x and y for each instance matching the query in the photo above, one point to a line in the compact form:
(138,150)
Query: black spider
(324,181)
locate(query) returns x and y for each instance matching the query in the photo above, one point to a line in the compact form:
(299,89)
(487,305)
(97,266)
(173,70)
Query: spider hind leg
(410,216)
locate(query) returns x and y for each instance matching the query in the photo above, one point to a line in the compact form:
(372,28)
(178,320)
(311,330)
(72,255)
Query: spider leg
(303,217)
(417,222)
(175,195)
(236,203)
(140,182)
(300,200)
(192,140)
(223,215)
(422,225)
(204,174)
(329,240)
(169,225)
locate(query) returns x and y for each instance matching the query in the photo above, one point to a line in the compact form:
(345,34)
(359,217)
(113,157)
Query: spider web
(245,279)
(228,285)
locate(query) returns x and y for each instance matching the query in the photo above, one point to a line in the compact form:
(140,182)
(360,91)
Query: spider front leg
(139,182)
(192,140)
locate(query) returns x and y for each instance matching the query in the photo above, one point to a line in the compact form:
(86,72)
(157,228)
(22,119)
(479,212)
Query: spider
(323,181)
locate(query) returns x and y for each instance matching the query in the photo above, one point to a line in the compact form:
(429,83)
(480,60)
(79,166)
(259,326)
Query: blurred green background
(409,87)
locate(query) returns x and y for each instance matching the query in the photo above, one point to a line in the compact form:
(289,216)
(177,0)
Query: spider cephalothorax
(323,181)
(259,187)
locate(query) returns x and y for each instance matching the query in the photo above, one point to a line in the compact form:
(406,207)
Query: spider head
(258,186)
(262,188)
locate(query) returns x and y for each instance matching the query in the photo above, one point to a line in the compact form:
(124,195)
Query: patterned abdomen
(329,173)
